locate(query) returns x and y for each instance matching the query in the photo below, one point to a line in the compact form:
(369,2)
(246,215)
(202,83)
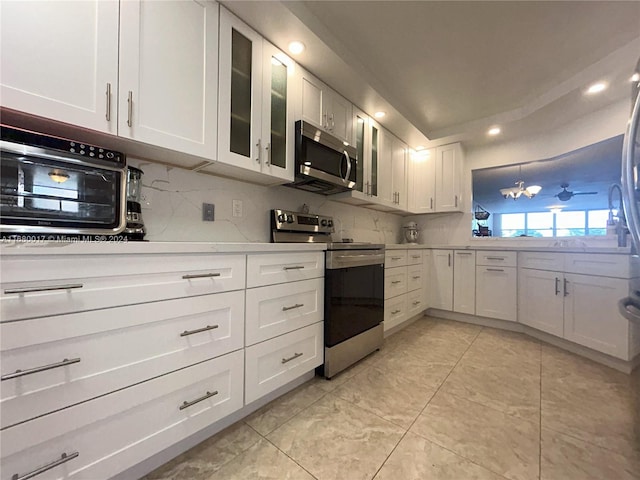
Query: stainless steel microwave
(52,185)
(324,163)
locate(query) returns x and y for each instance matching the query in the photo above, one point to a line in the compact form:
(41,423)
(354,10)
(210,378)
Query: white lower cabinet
(404,283)
(274,363)
(541,300)
(464,282)
(441,281)
(496,292)
(116,431)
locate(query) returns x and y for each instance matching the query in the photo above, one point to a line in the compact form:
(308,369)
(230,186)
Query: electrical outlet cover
(208,212)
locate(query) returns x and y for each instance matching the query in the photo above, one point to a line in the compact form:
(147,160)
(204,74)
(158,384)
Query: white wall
(176,209)
(455,228)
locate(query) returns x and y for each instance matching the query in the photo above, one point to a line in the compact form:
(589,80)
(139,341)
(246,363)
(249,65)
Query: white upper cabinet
(421,186)
(449,159)
(255,113)
(168,74)
(59,60)
(324,108)
(399,172)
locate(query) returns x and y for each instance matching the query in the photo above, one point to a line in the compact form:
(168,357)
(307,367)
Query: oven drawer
(414,257)
(395,311)
(114,348)
(119,430)
(270,268)
(395,282)
(415,278)
(42,285)
(276,362)
(278,309)
(395,258)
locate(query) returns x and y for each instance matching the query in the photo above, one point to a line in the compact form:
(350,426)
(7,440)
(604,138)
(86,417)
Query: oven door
(44,194)
(354,301)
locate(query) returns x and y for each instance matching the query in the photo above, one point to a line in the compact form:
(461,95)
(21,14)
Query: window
(548,224)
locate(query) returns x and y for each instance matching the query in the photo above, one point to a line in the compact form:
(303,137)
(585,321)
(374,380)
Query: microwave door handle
(346,155)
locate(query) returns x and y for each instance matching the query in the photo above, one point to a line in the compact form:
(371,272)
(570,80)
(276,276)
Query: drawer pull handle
(395,312)
(495,258)
(297,305)
(64,458)
(70,286)
(495,270)
(29,371)
(396,258)
(418,302)
(295,355)
(415,256)
(295,267)
(200,275)
(464,253)
(396,281)
(186,404)
(416,277)
(198,330)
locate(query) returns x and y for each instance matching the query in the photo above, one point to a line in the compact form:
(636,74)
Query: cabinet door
(240,95)
(464,282)
(441,279)
(398,172)
(339,117)
(421,186)
(496,292)
(168,74)
(60,60)
(375,171)
(591,316)
(540,300)
(385,166)
(277,116)
(426,277)
(362,134)
(448,178)
(312,98)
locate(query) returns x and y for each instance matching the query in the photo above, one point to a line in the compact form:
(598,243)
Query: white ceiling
(450,70)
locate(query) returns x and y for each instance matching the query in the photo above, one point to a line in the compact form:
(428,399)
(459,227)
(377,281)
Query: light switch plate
(208,212)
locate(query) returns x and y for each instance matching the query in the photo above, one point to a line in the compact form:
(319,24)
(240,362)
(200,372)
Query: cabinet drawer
(502,259)
(415,303)
(395,311)
(274,363)
(395,258)
(395,281)
(415,277)
(541,260)
(278,309)
(42,285)
(114,347)
(617,266)
(414,257)
(269,269)
(119,430)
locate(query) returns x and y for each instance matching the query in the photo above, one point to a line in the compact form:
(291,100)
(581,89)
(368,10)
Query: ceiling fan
(566,195)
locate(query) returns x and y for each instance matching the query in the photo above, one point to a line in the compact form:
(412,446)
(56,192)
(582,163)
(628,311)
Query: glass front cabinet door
(255,126)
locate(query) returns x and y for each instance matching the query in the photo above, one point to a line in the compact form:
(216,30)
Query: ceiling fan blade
(585,193)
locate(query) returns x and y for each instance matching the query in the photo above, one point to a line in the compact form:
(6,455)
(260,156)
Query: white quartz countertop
(10,247)
(518,248)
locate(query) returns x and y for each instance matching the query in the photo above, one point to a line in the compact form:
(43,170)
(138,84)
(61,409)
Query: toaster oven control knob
(289,218)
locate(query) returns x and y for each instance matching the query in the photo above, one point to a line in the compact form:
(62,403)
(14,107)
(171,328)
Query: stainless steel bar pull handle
(70,286)
(395,312)
(130,109)
(295,355)
(566,289)
(417,302)
(431,203)
(186,404)
(396,258)
(64,458)
(456,200)
(495,270)
(29,371)
(297,305)
(396,281)
(200,275)
(259,145)
(557,285)
(449,260)
(268,149)
(108,94)
(464,253)
(295,267)
(416,277)
(495,258)
(199,330)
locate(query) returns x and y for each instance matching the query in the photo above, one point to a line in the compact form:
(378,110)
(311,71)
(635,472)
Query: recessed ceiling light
(635,77)
(296,48)
(596,88)
(494,131)
(379,114)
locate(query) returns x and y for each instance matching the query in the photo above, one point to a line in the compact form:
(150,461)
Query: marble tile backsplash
(175,198)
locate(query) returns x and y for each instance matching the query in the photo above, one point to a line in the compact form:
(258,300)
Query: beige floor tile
(334,439)
(566,458)
(451,330)
(262,461)
(515,391)
(277,412)
(494,347)
(502,443)
(209,456)
(416,458)
(348,373)
(591,402)
(389,395)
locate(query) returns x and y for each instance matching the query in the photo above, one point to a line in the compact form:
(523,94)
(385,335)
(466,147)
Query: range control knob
(289,218)
(282,218)
(330,223)
(323,222)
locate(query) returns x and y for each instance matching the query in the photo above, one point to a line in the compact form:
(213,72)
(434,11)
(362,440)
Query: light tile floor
(440,400)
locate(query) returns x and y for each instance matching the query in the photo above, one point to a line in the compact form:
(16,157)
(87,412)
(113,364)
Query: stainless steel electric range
(354,288)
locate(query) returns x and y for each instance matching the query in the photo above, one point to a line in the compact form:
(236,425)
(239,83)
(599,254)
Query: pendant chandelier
(519,190)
